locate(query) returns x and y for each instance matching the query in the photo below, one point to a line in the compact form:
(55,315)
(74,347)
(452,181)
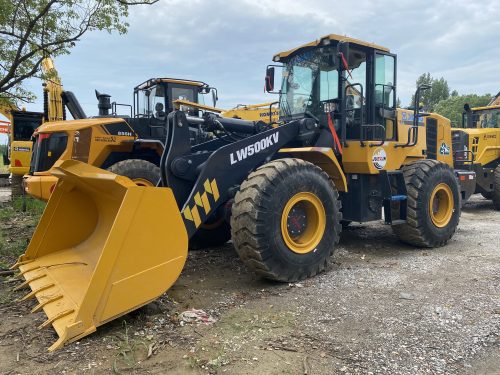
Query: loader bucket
(104,246)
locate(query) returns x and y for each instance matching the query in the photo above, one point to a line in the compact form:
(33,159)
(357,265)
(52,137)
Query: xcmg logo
(250,150)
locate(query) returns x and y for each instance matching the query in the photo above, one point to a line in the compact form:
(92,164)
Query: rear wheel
(496,188)
(142,172)
(433,209)
(286,220)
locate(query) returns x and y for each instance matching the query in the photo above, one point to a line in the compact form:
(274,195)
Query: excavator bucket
(104,246)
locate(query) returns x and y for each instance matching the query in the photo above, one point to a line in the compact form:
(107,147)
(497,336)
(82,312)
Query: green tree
(33,29)
(439,91)
(453,107)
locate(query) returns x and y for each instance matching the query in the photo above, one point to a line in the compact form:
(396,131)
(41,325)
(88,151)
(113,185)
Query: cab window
(356,94)
(385,102)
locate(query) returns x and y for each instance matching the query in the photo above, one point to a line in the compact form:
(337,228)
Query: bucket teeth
(29,270)
(46,302)
(25,283)
(33,292)
(55,317)
(20,263)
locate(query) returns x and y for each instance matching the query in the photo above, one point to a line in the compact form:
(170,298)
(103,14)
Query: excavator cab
(23,125)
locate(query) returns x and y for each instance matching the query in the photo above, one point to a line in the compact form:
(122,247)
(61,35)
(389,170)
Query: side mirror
(269,79)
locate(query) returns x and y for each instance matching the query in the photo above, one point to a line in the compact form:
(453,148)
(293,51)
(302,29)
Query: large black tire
(142,172)
(496,188)
(423,179)
(263,208)
(214,233)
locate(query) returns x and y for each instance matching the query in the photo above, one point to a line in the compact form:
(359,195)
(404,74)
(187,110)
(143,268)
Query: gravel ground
(382,308)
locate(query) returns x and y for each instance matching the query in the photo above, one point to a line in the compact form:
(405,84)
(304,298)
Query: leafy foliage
(453,107)
(33,29)
(439,91)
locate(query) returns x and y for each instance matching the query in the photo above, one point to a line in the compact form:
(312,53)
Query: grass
(3,168)
(18,220)
(128,352)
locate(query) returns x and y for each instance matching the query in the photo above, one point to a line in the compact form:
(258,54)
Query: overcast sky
(229,43)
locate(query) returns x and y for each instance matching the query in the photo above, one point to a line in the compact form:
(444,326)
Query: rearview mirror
(269,79)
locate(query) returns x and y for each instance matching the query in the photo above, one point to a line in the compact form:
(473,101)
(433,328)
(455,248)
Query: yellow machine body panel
(95,254)
(88,141)
(372,157)
(266,112)
(484,144)
(20,156)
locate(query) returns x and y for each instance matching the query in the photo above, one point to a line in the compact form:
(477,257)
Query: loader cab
(154,100)
(350,82)
(162,92)
(482,118)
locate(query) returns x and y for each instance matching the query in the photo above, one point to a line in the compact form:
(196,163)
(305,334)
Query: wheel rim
(142,182)
(441,205)
(303,222)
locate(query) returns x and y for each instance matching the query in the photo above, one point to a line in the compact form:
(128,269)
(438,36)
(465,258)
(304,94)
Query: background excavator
(477,148)
(24,123)
(342,150)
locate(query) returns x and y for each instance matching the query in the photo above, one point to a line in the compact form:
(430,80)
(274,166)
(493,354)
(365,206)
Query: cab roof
(153,81)
(321,41)
(485,108)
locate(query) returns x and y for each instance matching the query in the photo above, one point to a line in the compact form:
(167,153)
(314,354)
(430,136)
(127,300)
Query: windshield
(151,101)
(299,76)
(311,82)
(486,118)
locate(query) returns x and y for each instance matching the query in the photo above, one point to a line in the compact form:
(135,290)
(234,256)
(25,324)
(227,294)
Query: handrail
(382,141)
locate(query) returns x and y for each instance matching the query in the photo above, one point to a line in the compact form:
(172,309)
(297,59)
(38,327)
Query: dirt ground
(382,308)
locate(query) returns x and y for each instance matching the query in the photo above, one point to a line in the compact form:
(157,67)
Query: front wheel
(286,220)
(433,204)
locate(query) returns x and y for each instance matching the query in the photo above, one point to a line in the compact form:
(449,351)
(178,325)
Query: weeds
(213,365)
(128,349)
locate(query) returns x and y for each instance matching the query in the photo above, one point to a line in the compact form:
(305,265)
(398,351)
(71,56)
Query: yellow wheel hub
(142,182)
(441,205)
(303,222)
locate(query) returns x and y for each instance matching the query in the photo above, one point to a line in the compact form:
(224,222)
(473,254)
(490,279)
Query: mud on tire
(421,178)
(257,219)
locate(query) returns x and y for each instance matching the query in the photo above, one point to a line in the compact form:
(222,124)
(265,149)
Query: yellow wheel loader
(342,151)
(477,148)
